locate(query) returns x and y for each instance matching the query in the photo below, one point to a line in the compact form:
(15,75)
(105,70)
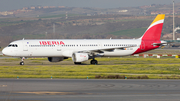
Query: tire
(91,62)
(94,62)
(77,63)
(21,63)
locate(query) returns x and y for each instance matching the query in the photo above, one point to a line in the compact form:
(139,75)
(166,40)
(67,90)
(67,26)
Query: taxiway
(89,90)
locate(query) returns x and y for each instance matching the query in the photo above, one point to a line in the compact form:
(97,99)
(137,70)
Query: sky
(6,5)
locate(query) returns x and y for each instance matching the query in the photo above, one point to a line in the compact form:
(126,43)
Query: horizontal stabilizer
(162,43)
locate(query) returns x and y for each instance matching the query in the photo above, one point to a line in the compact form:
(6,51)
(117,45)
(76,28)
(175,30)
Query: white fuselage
(65,48)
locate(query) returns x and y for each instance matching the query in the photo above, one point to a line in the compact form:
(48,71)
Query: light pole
(173,22)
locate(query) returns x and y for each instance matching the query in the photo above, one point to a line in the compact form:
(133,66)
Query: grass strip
(153,71)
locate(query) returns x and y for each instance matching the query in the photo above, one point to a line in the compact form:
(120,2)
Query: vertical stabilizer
(154,30)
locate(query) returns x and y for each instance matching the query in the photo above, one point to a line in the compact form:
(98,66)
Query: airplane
(81,50)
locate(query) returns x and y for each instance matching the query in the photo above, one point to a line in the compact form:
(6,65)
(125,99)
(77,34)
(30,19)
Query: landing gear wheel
(22,63)
(77,63)
(95,62)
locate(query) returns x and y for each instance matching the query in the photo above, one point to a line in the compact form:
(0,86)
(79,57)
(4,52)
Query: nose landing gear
(22,61)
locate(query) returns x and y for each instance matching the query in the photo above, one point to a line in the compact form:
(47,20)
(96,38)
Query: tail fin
(154,30)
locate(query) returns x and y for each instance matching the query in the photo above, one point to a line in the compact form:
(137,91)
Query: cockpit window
(9,45)
(12,45)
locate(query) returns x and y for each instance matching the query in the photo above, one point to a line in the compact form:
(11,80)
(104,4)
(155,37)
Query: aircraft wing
(102,50)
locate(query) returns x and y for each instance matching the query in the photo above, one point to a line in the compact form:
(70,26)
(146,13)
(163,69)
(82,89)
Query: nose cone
(6,51)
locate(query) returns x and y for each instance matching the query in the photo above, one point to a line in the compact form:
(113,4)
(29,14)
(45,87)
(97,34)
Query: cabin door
(25,45)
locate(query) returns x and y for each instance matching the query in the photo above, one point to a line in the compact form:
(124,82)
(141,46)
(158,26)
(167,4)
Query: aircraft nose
(5,51)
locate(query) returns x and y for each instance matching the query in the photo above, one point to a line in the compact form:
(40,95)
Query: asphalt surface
(89,90)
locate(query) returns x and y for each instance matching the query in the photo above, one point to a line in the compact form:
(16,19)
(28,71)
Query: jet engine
(55,59)
(80,57)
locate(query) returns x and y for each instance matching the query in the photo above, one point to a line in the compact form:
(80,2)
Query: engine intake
(80,57)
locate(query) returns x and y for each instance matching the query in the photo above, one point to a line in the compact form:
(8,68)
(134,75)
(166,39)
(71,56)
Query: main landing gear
(22,61)
(94,62)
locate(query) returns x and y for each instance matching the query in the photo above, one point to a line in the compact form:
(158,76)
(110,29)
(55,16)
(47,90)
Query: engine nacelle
(55,59)
(80,57)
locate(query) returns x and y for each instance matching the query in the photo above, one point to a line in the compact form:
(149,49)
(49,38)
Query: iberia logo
(51,42)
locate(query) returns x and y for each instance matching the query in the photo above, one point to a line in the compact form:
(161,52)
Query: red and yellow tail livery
(151,38)
(154,30)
